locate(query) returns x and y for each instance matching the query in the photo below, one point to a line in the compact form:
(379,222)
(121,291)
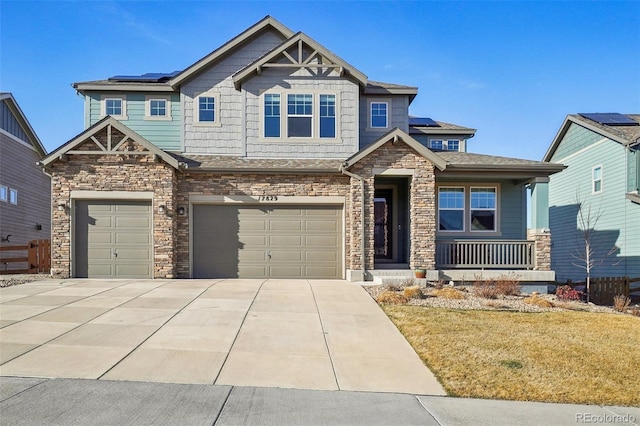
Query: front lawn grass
(564,357)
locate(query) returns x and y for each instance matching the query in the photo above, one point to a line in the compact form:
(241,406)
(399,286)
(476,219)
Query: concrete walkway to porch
(303,334)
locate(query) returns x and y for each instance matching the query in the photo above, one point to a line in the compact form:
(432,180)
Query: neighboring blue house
(603,177)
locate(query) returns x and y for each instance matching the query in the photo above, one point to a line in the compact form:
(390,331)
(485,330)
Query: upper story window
(468,209)
(306,116)
(4,194)
(444,144)
(115,106)
(207,109)
(299,116)
(157,108)
(13,196)
(596,186)
(379,115)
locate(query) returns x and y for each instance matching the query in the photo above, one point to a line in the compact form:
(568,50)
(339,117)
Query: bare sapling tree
(587,257)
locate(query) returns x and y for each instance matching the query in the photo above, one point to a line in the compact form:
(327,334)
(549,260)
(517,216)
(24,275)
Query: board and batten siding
(165,134)
(225,138)
(618,221)
(19,171)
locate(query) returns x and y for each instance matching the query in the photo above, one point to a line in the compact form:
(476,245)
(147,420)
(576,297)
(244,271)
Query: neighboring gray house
(273,157)
(25,191)
(602,152)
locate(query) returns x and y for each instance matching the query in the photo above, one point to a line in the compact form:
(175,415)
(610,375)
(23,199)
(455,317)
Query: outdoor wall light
(162,209)
(181,211)
(38,227)
(62,207)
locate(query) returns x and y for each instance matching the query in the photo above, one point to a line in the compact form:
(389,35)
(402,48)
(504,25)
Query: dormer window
(444,144)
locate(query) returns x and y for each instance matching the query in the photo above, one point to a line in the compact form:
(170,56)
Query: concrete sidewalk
(28,401)
(302,334)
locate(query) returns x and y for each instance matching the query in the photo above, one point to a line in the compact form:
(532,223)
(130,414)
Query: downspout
(362,218)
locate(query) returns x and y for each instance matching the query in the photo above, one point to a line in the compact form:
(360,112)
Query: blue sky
(512,70)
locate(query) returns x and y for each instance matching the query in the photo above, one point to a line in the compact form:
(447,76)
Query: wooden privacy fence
(37,258)
(603,290)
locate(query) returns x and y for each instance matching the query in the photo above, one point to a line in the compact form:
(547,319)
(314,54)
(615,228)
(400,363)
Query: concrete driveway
(303,334)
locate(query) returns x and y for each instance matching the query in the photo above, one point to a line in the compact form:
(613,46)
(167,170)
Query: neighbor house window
(299,116)
(13,196)
(115,106)
(379,112)
(483,209)
(306,116)
(597,180)
(4,194)
(451,209)
(271,115)
(157,108)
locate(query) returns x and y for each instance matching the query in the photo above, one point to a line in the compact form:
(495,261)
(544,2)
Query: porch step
(398,276)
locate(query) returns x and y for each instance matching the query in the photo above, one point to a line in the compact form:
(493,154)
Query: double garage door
(113,239)
(236,241)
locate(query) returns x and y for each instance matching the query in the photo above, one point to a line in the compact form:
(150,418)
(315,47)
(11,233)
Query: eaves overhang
(109,86)
(15,109)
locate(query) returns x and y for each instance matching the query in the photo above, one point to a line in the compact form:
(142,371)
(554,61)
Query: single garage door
(113,239)
(267,241)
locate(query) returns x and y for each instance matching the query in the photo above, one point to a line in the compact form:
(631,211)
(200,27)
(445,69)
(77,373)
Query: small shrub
(635,312)
(448,293)
(508,285)
(392,298)
(485,288)
(566,293)
(621,303)
(537,301)
(413,292)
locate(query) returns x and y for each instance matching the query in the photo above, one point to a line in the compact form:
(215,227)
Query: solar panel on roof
(610,118)
(150,77)
(422,121)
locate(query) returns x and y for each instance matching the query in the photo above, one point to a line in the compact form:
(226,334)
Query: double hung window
(379,113)
(596,176)
(467,209)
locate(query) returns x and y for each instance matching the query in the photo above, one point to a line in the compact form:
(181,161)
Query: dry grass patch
(536,300)
(413,292)
(564,357)
(448,293)
(392,297)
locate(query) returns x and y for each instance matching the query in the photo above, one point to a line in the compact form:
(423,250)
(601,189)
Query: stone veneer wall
(422,201)
(542,248)
(199,183)
(111,172)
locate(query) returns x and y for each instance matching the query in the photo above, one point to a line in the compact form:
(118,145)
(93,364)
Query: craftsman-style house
(273,157)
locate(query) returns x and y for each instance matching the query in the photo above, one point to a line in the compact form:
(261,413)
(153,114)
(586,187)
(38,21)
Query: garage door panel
(105,227)
(247,234)
(285,240)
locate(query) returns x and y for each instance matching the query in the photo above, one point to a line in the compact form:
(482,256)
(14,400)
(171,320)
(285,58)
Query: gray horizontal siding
(399,117)
(18,170)
(9,124)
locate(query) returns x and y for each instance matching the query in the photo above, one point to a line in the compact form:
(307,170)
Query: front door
(391,218)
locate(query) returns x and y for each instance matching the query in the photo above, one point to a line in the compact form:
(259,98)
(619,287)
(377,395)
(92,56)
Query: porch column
(539,231)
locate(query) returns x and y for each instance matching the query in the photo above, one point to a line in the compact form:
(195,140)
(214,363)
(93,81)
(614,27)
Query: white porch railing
(507,254)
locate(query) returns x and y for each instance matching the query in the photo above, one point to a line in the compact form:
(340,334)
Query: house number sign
(268,198)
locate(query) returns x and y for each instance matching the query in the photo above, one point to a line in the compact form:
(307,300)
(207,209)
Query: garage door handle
(115,253)
(269,254)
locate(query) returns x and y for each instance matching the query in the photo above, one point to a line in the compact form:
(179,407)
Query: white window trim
(103,106)
(216,114)
(387,101)
(494,210)
(4,193)
(445,143)
(315,125)
(467,210)
(464,209)
(13,196)
(147,108)
(593,179)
